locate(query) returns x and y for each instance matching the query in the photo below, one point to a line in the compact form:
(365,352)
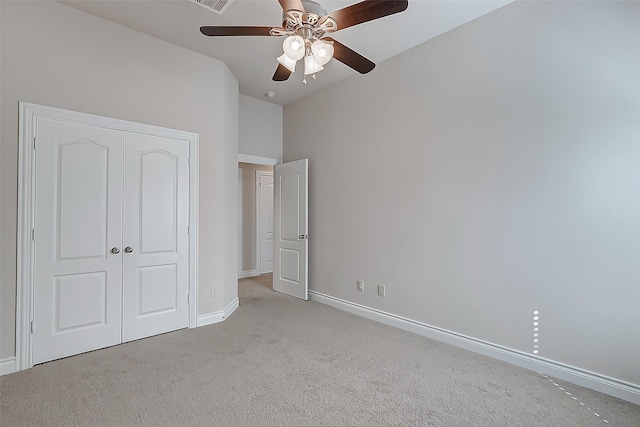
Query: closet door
(78,263)
(155,236)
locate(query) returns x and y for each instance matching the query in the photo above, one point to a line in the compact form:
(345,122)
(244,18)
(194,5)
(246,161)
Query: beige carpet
(281,361)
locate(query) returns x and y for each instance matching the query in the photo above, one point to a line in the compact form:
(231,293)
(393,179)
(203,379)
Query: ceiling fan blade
(282,73)
(350,57)
(366,10)
(216,31)
(291,4)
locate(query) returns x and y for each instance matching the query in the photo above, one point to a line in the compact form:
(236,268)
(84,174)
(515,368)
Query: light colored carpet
(281,361)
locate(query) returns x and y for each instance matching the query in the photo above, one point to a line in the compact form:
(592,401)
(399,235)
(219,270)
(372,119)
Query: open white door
(291,232)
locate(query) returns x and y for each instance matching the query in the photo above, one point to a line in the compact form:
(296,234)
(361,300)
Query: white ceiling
(252,60)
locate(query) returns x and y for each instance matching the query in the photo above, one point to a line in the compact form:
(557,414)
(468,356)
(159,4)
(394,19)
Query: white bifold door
(111,237)
(291,243)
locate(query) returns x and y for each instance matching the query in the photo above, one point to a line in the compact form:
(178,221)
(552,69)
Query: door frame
(28,118)
(259,213)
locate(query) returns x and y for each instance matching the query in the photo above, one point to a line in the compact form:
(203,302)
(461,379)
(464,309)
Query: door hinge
(188,230)
(188,299)
(32,326)
(33,234)
(34,143)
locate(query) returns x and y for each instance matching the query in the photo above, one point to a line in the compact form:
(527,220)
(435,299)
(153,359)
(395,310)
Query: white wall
(489,172)
(54,55)
(260,128)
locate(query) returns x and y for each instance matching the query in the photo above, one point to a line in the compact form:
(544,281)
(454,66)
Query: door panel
(157,287)
(291,233)
(157,220)
(290,206)
(83,176)
(155,226)
(77,280)
(290,265)
(91,289)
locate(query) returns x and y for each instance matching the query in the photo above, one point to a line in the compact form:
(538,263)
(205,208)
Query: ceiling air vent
(218,6)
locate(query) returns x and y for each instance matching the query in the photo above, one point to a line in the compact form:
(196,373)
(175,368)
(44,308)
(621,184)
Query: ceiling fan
(306,25)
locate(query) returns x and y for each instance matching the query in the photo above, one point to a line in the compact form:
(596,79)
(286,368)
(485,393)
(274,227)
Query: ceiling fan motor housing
(306,25)
(313,7)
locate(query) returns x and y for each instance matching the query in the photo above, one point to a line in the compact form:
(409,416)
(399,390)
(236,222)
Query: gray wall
(54,55)
(260,128)
(489,172)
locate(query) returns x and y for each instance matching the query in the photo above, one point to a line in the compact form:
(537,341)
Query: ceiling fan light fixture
(311,66)
(288,63)
(306,23)
(294,47)
(322,52)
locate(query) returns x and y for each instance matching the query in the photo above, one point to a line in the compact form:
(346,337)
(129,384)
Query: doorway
(289,239)
(255,222)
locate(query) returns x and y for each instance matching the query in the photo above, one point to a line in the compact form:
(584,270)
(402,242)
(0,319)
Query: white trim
(218,316)
(28,116)
(194,225)
(257,160)
(248,273)
(7,366)
(611,386)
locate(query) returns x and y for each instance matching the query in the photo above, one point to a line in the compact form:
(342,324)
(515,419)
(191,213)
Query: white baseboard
(7,366)
(218,316)
(611,386)
(248,273)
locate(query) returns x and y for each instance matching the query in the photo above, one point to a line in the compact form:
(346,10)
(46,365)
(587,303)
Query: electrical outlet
(214,291)
(381,290)
(360,285)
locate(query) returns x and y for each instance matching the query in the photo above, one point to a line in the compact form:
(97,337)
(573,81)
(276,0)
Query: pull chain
(304,79)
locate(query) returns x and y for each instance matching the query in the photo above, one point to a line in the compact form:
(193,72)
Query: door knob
(128,249)
(115,250)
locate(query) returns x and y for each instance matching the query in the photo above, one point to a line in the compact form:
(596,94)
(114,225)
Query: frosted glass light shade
(322,52)
(311,66)
(288,63)
(294,47)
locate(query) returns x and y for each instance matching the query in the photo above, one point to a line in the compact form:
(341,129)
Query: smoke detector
(218,6)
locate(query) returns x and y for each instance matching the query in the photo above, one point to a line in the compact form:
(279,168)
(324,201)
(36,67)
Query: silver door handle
(303,237)
(115,250)
(128,249)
